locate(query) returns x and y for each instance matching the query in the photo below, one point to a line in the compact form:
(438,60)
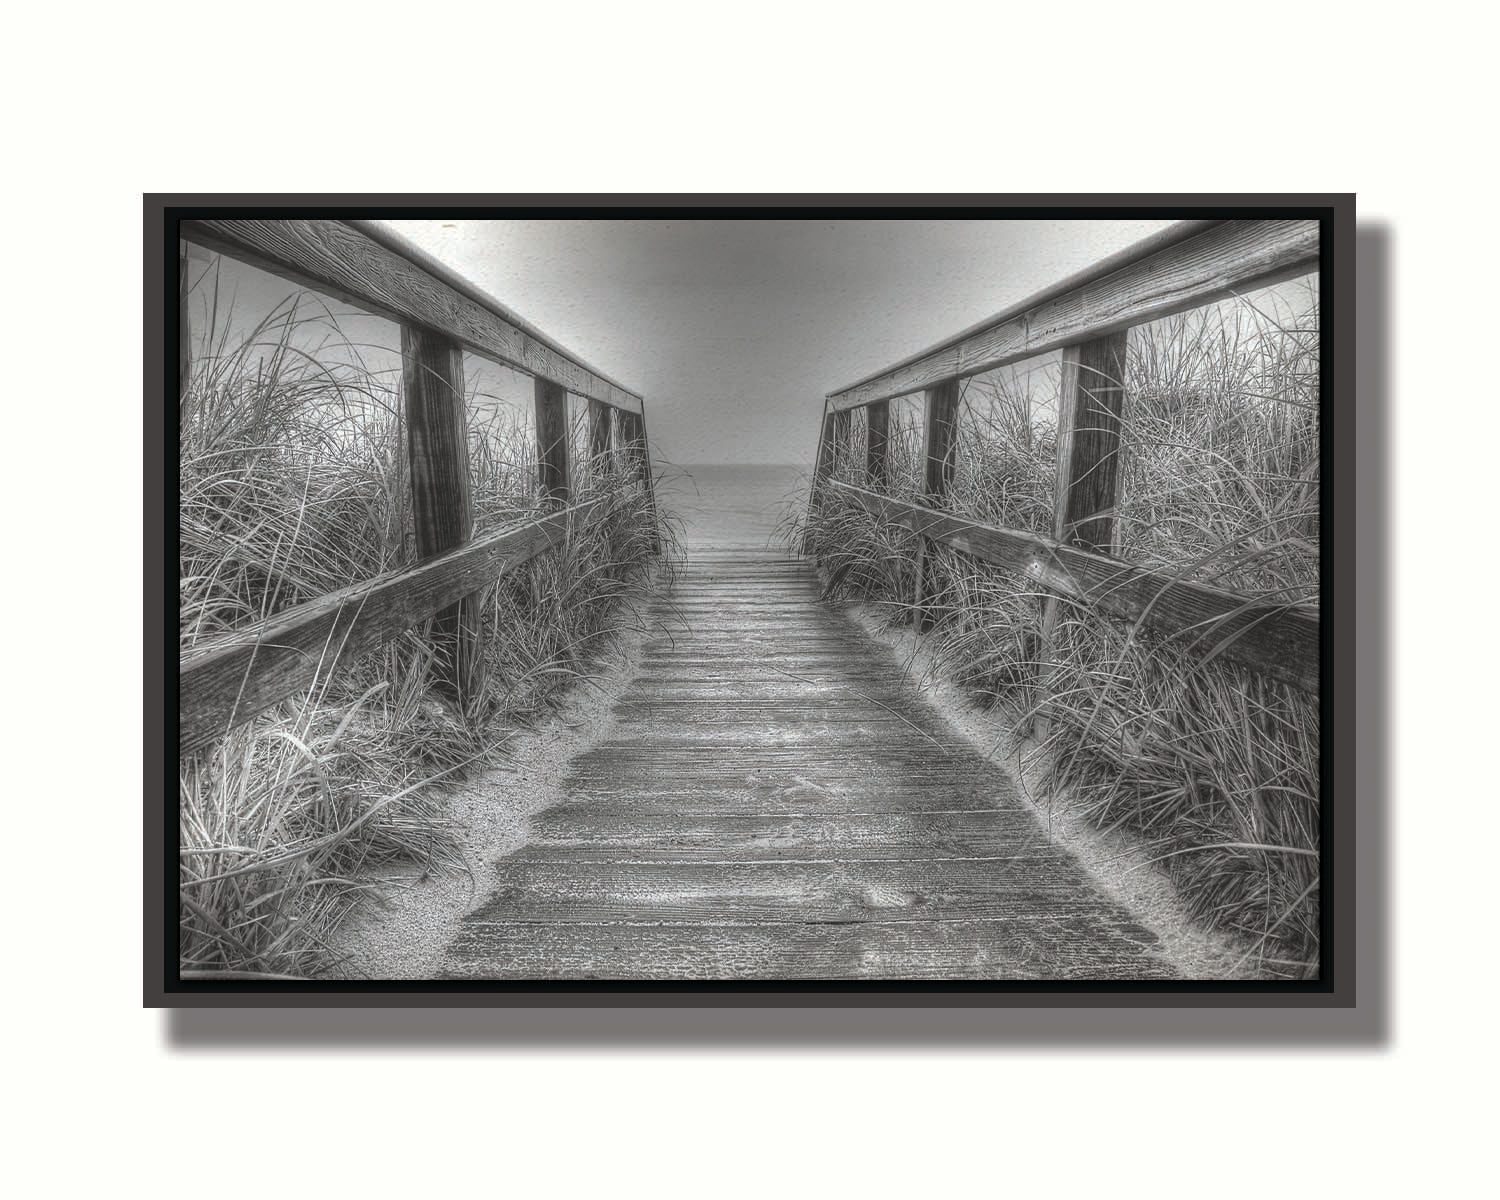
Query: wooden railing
(228,682)
(1087,317)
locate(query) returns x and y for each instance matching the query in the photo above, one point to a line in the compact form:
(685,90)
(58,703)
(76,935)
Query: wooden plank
(432,377)
(601,424)
(826,444)
(1091,401)
(633,441)
(939,457)
(1039,945)
(554,472)
(843,440)
(229,682)
(877,442)
(1091,404)
(820,820)
(586,832)
(822,469)
(1281,641)
(805,891)
(939,440)
(338,258)
(1216,262)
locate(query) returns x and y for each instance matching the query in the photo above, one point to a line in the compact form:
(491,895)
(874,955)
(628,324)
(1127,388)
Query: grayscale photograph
(688,599)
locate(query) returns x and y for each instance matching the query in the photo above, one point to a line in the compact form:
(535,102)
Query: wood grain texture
(939,458)
(432,376)
(825,447)
(1281,641)
(554,471)
(334,257)
(774,799)
(822,468)
(877,442)
(601,424)
(229,682)
(1020,946)
(633,441)
(939,429)
(1091,404)
(843,440)
(1212,265)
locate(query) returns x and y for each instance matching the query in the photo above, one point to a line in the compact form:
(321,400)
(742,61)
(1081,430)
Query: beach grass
(294,482)
(1215,769)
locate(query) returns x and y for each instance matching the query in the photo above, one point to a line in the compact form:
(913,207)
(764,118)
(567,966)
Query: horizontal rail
(1281,641)
(1185,267)
(376,269)
(246,672)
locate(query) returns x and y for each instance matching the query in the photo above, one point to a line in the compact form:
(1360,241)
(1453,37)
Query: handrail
(440,271)
(441,315)
(1087,318)
(1189,265)
(378,270)
(243,673)
(1279,640)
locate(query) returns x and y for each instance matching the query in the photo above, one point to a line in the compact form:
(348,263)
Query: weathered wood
(939,439)
(552,442)
(1091,404)
(601,423)
(843,441)
(804,891)
(1281,641)
(432,377)
(796,811)
(621,834)
(877,442)
(822,470)
(826,445)
(1090,407)
(939,457)
(635,452)
(344,259)
(235,678)
(1020,946)
(633,442)
(1215,260)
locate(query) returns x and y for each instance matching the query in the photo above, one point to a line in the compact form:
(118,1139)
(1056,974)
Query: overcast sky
(734,330)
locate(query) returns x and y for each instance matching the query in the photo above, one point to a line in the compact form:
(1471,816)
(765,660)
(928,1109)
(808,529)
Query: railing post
(1088,442)
(843,439)
(1091,402)
(940,424)
(637,452)
(877,439)
(822,469)
(553,475)
(600,421)
(432,372)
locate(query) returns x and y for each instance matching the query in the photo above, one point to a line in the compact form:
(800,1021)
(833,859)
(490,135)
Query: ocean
(734,505)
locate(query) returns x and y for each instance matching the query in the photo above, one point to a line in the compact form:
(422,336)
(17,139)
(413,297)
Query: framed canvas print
(791,600)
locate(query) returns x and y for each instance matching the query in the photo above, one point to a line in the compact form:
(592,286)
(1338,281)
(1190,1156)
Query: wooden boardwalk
(771,803)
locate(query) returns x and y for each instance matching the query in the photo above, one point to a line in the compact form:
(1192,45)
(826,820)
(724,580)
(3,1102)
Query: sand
(1117,861)
(403,927)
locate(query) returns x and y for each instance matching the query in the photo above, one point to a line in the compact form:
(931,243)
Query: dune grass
(294,482)
(1215,768)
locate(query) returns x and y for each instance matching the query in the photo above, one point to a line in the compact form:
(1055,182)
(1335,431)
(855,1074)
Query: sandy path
(402,930)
